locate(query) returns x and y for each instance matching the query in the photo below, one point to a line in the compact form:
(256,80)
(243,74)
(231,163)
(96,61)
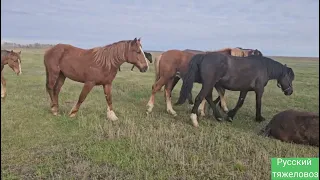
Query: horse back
(173,61)
(295,126)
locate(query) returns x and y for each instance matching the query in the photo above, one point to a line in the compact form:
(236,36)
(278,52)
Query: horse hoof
(172,112)
(260,119)
(220,119)
(230,119)
(72,115)
(112,116)
(194,120)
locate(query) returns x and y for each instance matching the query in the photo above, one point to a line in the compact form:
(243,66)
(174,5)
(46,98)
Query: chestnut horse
(170,66)
(96,66)
(13,59)
(148,56)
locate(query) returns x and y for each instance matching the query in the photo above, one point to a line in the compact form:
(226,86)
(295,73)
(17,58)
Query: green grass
(35,144)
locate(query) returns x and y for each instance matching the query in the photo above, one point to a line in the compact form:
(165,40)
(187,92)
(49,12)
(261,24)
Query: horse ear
(135,39)
(139,39)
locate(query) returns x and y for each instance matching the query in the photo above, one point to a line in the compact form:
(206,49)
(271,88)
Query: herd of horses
(234,69)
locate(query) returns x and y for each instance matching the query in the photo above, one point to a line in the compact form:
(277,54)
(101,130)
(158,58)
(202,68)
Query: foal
(13,59)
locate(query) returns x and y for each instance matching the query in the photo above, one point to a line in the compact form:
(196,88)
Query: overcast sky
(276,27)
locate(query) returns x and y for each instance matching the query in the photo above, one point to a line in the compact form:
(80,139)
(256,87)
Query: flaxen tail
(52,57)
(189,78)
(157,68)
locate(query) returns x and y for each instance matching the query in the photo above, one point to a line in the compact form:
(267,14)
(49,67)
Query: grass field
(37,145)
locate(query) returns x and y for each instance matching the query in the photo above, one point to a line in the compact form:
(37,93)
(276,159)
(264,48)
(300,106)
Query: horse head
(285,81)
(136,55)
(255,52)
(148,56)
(14,61)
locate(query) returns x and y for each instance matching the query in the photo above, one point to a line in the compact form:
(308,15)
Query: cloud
(275,27)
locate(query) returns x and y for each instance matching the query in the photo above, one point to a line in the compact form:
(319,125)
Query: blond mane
(112,55)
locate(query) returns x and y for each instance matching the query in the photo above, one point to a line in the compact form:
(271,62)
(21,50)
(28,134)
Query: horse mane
(274,68)
(111,55)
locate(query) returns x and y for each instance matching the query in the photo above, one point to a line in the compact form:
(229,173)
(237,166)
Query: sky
(275,27)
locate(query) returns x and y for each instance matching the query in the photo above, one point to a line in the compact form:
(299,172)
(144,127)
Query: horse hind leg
(168,89)
(60,81)
(155,88)
(52,77)
(202,107)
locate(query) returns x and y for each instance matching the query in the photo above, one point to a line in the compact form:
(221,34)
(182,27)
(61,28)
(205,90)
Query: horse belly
(78,73)
(235,84)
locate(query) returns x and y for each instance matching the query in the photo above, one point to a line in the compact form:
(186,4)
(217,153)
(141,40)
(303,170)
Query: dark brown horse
(148,56)
(13,59)
(294,126)
(242,74)
(170,66)
(96,66)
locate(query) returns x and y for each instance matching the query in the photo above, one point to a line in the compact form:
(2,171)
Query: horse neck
(275,69)
(4,61)
(117,58)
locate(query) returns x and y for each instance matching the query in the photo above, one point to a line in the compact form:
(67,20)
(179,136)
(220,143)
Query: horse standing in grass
(170,66)
(96,66)
(242,74)
(294,126)
(13,59)
(148,56)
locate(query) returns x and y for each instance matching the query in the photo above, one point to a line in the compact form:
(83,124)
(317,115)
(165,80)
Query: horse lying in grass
(148,56)
(96,66)
(242,74)
(13,60)
(294,126)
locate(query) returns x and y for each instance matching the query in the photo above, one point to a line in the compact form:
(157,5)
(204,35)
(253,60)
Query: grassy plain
(37,145)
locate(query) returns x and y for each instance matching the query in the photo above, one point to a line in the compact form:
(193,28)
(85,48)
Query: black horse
(148,56)
(242,74)
(220,90)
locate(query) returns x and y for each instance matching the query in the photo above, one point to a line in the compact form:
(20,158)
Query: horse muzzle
(288,92)
(144,69)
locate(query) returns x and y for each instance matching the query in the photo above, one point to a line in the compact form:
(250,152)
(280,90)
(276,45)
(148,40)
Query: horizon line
(6,41)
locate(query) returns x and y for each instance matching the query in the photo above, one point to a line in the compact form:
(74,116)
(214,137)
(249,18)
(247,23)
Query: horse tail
(157,68)
(53,54)
(189,78)
(265,131)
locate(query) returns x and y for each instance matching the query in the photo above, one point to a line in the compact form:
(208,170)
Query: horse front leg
(107,92)
(259,94)
(85,90)
(132,67)
(241,99)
